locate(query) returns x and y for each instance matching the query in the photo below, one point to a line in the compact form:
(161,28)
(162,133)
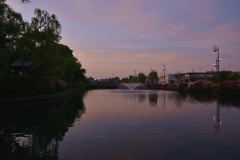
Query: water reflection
(142,97)
(154,125)
(153,99)
(144,124)
(222,99)
(179,98)
(217,118)
(35,131)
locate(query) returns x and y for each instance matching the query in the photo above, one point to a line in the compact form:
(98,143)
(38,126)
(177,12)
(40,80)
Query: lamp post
(216,49)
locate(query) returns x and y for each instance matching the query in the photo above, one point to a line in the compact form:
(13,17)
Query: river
(122,124)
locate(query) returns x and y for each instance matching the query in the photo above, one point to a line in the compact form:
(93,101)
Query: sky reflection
(157,125)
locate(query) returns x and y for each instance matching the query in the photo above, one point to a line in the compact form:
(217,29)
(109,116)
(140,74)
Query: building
(169,78)
(20,67)
(91,80)
(113,80)
(194,76)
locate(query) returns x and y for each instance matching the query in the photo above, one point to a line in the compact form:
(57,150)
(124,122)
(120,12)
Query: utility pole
(164,73)
(216,49)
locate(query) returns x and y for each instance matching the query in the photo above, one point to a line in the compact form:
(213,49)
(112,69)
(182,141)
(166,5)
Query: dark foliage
(38,42)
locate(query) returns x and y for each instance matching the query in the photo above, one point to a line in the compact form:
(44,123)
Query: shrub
(182,86)
(202,86)
(29,85)
(229,86)
(60,84)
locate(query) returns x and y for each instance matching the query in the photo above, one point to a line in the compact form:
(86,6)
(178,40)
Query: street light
(216,49)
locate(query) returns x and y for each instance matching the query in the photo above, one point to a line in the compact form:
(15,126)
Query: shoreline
(37,98)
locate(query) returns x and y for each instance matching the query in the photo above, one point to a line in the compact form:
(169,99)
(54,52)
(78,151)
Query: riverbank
(16,89)
(39,97)
(201,86)
(14,85)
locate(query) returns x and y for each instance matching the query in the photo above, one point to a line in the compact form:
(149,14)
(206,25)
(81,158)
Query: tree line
(152,77)
(37,41)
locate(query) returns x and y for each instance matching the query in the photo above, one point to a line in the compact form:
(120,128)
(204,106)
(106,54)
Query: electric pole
(216,49)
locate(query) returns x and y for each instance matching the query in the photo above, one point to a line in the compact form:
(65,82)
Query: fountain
(130,86)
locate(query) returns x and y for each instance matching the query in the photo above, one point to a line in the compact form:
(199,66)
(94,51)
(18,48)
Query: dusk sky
(116,37)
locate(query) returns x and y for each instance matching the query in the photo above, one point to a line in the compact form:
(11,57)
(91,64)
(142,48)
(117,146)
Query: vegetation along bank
(33,61)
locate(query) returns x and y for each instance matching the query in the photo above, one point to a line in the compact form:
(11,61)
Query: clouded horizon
(116,37)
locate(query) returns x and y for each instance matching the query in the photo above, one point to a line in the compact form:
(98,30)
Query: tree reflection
(142,97)
(153,99)
(222,99)
(178,98)
(35,132)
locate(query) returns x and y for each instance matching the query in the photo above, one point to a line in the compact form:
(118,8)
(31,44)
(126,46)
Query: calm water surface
(117,124)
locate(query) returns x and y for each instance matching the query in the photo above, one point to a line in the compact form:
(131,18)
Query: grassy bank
(202,86)
(15,86)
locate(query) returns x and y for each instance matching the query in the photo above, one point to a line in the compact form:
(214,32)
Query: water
(115,124)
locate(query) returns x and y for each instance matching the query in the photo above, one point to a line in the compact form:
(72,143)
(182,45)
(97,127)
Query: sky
(124,37)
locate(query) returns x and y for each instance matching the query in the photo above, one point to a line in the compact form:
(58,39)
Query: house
(20,67)
(91,80)
(194,76)
(169,78)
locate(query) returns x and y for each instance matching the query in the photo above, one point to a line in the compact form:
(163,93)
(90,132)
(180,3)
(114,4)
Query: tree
(38,42)
(11,28)
(73,70)
(235,76)
(124,80)
(142,77)
(25,1)
(226,75)
(153,76)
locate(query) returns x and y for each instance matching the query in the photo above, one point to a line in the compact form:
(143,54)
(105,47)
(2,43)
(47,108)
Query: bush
(202,86)
(182,86)
(229,86)
(15,85)
(60,84)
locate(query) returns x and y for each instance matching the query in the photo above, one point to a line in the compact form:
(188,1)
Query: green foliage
(124,80)
(25,1)
(182,86)
(142,77)
(229,86)
(11,25)
(234,76)
(38,42)
(130,79)
(226,75)
(73,71)
(26,85)
(133,79)
(153,76)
